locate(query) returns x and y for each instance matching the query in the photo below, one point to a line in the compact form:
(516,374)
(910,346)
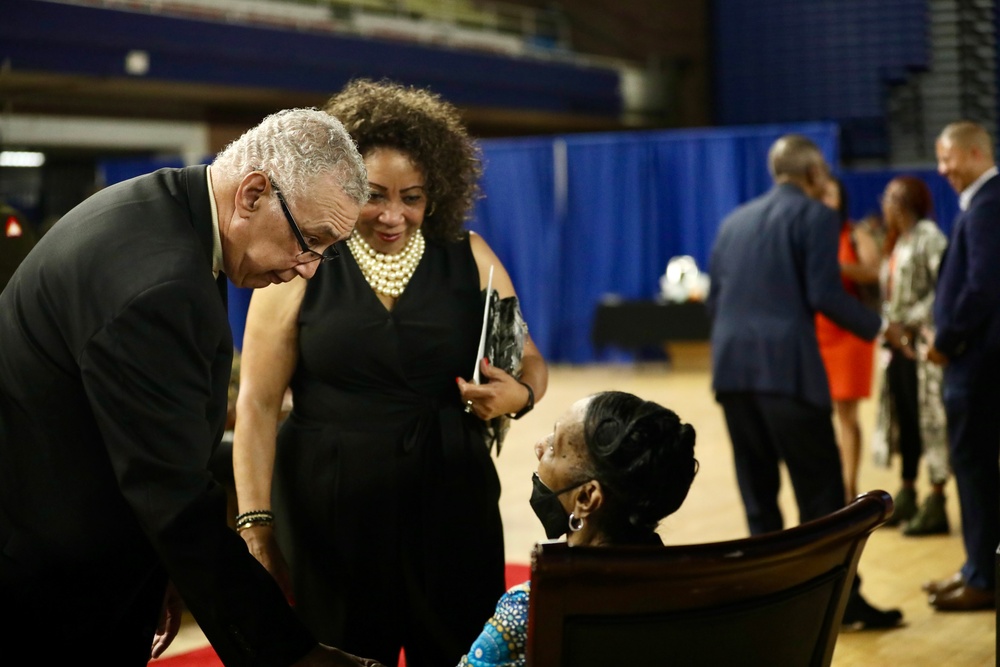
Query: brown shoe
(940,586)
(964,598)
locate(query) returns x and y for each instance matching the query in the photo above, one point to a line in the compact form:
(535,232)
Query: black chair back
(774,599)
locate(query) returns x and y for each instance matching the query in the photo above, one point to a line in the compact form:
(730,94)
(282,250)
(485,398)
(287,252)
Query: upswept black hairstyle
(643,456)
(430,131)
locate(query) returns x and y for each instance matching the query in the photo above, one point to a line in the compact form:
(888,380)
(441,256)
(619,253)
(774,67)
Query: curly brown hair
(915,196)
(430,131)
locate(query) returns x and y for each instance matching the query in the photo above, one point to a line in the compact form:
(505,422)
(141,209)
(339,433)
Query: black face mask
(545,502)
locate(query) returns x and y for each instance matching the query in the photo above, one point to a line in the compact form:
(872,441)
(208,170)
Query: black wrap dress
(385,495)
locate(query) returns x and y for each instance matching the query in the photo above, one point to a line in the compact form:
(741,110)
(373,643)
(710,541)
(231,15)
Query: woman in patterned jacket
(911,418)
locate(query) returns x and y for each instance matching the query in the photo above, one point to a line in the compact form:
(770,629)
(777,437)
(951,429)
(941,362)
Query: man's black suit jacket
(773,267)
(967,299)
(115,356)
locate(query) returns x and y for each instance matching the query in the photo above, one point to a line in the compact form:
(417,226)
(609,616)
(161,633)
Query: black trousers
(901,375)
(768,429)
(765,430)
(973,410)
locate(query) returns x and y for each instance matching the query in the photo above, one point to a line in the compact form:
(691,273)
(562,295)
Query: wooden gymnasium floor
(893,566)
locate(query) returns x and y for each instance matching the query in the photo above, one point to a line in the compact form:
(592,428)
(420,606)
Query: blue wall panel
(784,61)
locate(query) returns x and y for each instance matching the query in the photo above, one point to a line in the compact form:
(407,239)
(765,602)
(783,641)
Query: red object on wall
(12,228)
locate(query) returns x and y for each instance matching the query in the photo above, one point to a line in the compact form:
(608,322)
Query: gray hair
(793,155)
(294,147)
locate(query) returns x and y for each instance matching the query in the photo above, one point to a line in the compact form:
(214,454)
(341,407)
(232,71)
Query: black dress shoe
(859,615)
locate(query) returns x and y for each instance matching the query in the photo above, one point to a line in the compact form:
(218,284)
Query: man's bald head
(964,152)
(966,134)
(796,159)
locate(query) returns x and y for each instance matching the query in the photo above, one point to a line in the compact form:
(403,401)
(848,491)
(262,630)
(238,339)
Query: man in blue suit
(773,267)
(967,343)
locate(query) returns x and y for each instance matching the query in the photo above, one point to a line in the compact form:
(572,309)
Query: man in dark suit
(773,267)
(967,343)
(115,358)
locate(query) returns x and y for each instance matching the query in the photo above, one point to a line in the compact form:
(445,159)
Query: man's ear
(815,181)
(977,153)
(589,498)
(253,186)
(814,176)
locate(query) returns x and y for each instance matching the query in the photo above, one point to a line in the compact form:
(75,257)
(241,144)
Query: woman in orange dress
(849,360)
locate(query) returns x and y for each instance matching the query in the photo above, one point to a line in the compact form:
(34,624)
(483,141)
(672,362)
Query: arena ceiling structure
(134,62)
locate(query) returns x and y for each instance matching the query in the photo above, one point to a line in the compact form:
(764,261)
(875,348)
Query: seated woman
(612,468)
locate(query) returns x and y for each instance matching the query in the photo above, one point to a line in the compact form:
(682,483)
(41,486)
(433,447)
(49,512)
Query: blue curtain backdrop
(610,211)
(517,216)
(577,218)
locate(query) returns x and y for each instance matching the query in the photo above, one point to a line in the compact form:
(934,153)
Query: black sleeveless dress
(385,495)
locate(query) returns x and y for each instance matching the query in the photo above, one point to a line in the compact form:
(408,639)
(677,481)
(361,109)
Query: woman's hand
(500,394)
(935,356)
(260,540)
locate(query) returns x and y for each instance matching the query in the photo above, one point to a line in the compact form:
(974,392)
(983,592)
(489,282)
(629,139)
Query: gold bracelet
(255,514)
(254,518)
(252,523)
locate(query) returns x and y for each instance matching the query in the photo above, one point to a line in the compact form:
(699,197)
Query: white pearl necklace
(387,274)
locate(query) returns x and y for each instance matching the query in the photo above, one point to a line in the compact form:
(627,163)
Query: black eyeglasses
(308,254)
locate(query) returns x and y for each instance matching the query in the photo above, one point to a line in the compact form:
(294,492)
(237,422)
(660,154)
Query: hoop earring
(575,523)
(430,211)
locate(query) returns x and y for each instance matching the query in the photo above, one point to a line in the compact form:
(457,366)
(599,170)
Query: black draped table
(645,323)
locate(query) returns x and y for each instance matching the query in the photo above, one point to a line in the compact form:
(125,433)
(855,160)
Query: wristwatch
(529,405)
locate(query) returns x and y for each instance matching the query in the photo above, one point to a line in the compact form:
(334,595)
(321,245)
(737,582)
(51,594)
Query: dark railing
(529,31)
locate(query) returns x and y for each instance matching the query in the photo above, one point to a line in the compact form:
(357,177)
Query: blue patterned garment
(502,641)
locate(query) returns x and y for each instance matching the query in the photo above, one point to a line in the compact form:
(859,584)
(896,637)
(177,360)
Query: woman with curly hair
(611,470)
(379,491)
